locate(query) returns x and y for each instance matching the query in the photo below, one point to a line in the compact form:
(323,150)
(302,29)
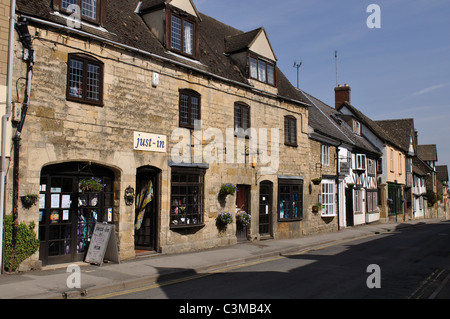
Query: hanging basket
(29,200)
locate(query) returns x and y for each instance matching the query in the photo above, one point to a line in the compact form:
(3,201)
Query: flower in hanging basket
(224,219)
(29,200)
(91,185)
(243,219)
(228,189)
(316,181)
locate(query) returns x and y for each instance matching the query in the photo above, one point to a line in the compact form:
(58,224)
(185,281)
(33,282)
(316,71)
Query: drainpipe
(25,37)
(5,118)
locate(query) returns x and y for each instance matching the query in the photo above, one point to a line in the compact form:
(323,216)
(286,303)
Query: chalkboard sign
(103,245)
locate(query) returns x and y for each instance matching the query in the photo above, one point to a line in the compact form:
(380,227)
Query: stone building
(154,100)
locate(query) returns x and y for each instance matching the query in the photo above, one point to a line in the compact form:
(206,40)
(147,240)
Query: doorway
(68,211)
(349,207)
(147,208)
(265,208)
(242,205)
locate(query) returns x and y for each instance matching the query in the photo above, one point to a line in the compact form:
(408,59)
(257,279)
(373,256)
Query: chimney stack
(342,94)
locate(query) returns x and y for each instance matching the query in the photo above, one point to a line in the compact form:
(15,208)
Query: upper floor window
(85,79)
(262,70)
(360,162)
(290,130)
(182,35)
(356,127)
(241,118)
(189,108)
(325,155)
(86,9)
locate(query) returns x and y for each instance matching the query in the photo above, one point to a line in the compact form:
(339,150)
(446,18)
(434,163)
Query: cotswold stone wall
(57,131)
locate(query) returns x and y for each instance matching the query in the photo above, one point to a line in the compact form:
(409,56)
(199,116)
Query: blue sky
(401,70)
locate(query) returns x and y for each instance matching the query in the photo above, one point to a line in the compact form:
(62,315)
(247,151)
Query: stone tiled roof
(442,173)
(401,130)
(327,121)
(123,25)
(427,152)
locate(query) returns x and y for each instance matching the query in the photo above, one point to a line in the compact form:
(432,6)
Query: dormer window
(356,127)
(85,9)
(262,70)
(182,35)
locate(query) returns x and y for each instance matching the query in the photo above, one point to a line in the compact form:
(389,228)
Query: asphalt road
(409,263)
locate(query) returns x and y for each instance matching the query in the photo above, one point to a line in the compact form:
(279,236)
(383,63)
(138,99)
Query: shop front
(73,197)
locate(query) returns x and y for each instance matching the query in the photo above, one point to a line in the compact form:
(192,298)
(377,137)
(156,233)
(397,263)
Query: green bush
(431,198)
(26,243)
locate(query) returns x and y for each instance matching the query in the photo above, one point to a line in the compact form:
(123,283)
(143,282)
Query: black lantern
(129,196)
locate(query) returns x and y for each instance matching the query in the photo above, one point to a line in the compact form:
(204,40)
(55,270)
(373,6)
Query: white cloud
(431,88)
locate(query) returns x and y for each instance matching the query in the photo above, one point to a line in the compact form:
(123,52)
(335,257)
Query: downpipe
(25,38)
(5,118)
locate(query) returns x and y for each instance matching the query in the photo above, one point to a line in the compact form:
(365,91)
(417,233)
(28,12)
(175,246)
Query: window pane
(245,117)
(184,109)
(176,33)
(253,68)
(237,117)
(76,78)
(93,82)
(261,71)
(188,37)
(270,74)
(195,109)
(89,9)
(67,3)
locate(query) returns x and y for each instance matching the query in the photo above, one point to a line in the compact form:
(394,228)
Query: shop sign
(150,142)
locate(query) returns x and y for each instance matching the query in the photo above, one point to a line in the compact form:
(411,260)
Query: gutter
(156,57)
(5,118)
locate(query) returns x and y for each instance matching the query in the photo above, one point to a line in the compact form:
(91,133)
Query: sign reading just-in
(150,142)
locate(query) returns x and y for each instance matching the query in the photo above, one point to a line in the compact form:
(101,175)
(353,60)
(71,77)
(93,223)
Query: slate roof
(124,26)
(325,120)
(442,173)
(401,130)
(374,126)
(427,152)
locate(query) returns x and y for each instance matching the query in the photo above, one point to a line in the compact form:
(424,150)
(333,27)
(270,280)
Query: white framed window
(400,164)
(371,166)
(325,155)
(361,161)
(328,195)
(392,160)
(356,127)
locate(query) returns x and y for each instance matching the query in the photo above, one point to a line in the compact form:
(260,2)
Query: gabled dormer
(174,23)
(253,54)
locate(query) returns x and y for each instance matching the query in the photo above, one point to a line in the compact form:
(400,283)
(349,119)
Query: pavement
(156,269)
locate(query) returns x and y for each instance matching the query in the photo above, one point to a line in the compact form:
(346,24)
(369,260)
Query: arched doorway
(68,211)
(147,208)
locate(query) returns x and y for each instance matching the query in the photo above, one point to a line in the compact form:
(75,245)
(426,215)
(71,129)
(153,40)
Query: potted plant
(227,189)
(92,184)
(316,181)
(29,200)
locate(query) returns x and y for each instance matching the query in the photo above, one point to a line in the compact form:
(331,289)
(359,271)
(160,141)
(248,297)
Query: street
(408,263)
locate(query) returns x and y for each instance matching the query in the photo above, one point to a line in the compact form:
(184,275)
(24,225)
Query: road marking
(226,269)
